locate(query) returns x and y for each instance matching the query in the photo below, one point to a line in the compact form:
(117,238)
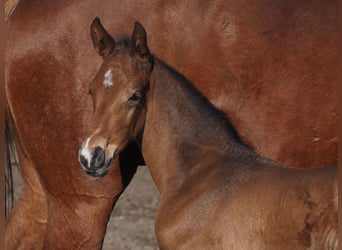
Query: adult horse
(215,192)
(269,64)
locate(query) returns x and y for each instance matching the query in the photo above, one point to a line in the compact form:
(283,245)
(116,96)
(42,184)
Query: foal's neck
(183,132)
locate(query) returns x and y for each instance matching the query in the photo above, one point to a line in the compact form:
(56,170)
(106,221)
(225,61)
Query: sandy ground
(131,225)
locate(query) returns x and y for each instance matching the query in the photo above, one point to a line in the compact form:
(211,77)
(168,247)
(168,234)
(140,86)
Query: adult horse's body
(215,192)
(269,65)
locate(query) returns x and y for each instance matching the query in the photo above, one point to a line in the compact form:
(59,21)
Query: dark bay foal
(215,192)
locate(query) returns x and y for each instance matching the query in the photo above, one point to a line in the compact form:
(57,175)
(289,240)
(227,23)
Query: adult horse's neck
(183,132)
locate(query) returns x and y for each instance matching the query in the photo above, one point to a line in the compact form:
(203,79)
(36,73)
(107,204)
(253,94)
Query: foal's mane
(212,113)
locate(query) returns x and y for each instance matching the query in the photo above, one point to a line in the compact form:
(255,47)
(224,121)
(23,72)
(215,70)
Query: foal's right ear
(139,40)
(103,42)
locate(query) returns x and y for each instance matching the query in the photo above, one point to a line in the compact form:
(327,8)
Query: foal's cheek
(139,122)
(130,114)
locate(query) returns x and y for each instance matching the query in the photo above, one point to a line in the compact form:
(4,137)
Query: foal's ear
(103,42)
(139,41)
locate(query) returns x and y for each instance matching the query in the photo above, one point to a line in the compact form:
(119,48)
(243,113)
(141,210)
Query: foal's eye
(135,98)
(90,93)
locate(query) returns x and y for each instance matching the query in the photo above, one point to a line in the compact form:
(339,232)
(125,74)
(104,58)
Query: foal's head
(118,93)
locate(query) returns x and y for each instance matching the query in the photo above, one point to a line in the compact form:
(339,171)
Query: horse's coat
(270,65)
(215,192)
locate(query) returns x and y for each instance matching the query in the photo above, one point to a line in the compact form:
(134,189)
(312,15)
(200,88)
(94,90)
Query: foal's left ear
(103,42)
(139,41)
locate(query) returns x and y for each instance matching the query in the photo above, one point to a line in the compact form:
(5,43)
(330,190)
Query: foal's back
(281,208)
(252,203)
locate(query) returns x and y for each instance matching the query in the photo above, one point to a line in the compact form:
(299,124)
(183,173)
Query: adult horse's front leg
(26,225)
(79,220)
(41,220)
(74,221)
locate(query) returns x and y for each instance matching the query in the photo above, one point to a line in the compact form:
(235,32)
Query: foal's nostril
(98,158)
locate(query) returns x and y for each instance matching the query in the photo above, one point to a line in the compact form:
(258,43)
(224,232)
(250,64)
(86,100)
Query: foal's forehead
(116,68)
(118,64)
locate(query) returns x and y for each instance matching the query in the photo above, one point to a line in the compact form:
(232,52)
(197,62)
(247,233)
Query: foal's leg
(25,227)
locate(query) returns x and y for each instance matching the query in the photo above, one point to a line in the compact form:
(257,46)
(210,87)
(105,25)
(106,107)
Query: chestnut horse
(215,192)
(270,65)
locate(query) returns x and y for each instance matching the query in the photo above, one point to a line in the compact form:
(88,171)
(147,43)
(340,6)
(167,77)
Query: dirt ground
(131,226)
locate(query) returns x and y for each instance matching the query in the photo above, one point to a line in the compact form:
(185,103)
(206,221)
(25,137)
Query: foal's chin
(111,152)
(99,172)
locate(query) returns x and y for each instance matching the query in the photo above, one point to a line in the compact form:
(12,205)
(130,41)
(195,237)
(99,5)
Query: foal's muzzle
(94,162)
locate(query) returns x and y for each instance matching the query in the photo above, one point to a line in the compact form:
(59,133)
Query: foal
(215,192)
